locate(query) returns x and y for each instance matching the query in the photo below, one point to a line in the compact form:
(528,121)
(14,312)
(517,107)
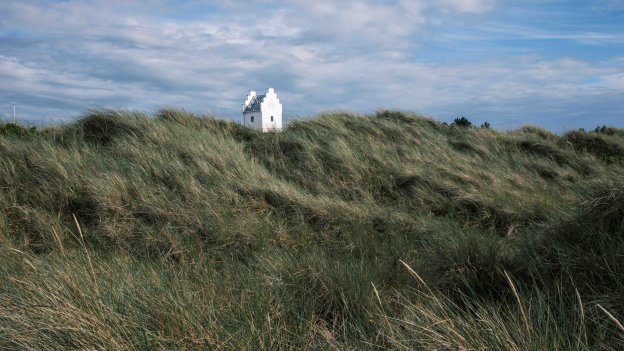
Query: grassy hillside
(393,231)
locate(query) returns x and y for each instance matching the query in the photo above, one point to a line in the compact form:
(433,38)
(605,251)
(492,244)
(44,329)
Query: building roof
(254,105)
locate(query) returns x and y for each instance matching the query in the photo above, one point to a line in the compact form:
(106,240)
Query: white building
(262,112)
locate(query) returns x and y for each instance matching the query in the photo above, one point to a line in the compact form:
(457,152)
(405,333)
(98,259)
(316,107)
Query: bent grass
(391,231)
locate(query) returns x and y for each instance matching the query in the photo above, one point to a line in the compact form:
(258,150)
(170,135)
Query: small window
(271,118)
(251,119)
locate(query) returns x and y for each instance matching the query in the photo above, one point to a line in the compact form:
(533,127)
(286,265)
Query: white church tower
(262,112)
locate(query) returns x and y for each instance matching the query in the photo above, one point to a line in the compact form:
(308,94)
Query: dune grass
(124,231)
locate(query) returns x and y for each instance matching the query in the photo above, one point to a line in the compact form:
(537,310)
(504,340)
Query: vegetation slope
(123,231)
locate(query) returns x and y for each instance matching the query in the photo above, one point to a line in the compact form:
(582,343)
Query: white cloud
(467,6)
(353,55)
(363,22)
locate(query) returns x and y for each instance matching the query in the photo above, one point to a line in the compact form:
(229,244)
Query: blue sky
(557,64)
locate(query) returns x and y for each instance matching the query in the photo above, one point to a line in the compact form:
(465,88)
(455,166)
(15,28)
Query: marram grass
(123,231)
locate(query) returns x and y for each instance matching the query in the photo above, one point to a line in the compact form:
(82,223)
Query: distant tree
(445,124)
(462,122)
(486,125)
(600,129)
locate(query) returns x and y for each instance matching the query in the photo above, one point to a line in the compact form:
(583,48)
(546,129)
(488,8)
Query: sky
(555,64)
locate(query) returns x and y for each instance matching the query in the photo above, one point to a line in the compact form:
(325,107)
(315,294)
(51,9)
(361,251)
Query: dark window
(251,119)
(271,118)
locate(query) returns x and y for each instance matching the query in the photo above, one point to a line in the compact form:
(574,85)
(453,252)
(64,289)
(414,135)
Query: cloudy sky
(558,64)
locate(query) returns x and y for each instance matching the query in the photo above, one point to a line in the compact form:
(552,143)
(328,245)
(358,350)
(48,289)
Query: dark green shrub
(462,122)
(600,129)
